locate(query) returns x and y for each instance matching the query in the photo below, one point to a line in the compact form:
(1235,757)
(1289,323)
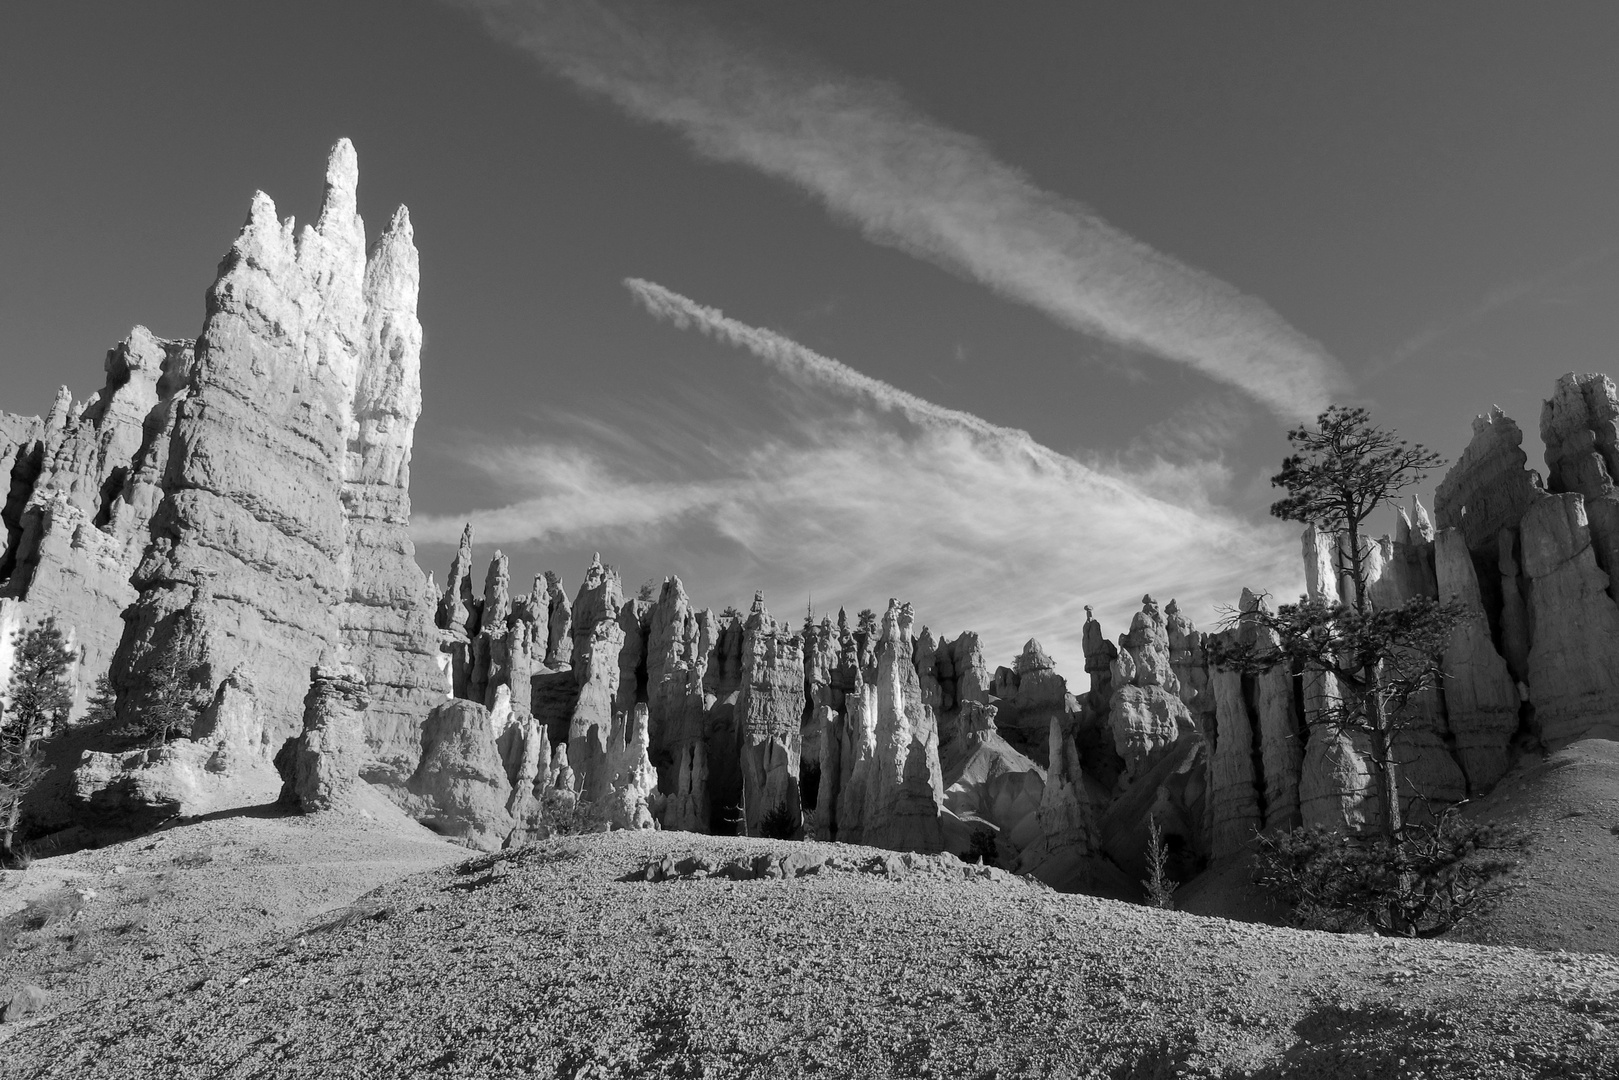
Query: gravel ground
(549,961)
(97,922)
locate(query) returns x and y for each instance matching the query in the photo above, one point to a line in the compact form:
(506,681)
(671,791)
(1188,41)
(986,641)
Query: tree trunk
(1388,792)
(13,810)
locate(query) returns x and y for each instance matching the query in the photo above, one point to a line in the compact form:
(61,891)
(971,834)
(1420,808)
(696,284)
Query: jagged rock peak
(497,606)
(759,620)
(1579,424)
(1421,522)
(339,209)
(1033,658)
(890,625)
(1490,486)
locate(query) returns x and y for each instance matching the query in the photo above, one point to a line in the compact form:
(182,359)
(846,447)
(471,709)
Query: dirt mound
(1566,895)
(109,919)
(551,960)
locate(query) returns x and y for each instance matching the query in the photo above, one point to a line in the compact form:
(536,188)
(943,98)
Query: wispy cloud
(909,182)
(853,490)
(1544,287)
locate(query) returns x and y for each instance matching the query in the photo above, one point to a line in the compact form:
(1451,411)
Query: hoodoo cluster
(236,508)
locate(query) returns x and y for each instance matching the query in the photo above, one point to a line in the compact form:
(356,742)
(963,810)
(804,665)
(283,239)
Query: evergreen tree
(37,701)
(1341,471)
(101,708)
(1414,879)
(173,700)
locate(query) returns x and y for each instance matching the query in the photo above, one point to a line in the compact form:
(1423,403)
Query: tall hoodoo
(286,494)
(769,715)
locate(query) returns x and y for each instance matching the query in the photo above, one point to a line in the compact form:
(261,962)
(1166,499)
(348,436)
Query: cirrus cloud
(909,182)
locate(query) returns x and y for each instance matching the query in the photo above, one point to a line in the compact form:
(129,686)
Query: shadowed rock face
(769,714)
(1489,487)
(1574,651)
(1480,696)
(1258,745)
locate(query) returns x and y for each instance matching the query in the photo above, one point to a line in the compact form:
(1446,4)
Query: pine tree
(37,700)
(101,707)
(1413,878)
(1341,471)
(173,700)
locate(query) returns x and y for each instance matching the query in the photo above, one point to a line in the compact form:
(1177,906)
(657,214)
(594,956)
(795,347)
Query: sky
(1000,309)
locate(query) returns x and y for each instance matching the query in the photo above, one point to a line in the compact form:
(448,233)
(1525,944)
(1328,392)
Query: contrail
(908,182)
(807,366)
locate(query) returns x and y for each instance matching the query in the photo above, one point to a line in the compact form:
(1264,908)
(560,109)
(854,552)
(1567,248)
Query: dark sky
(1428,191)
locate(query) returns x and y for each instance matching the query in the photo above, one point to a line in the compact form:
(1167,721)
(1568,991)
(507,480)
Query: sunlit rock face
(321,766)
(460,784)
(84,483)
(285,489)
(1146,712)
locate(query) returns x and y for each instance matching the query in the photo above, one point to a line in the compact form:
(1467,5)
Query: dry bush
(1423,882)
(19,930)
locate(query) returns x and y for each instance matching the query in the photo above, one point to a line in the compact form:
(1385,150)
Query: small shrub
(983,849)
(571,817)
(780,824)
(1426,880)
(1159,885)
(45,913)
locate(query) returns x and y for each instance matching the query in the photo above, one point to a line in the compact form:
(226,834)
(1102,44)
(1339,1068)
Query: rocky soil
(101,921)
(562,959)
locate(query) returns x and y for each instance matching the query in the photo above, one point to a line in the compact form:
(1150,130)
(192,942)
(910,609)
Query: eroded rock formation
(769,713)
(321,766)
(242,502)
(84,485)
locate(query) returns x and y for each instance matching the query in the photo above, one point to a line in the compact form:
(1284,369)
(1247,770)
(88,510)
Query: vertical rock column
(386,618)
(906,797)
(1574,658)
(678,643)
(769,715)
(285,501)
(253,517)
(1481,697)
(597,641)
(320,767)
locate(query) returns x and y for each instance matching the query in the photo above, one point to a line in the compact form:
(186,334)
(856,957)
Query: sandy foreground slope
(218,952)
